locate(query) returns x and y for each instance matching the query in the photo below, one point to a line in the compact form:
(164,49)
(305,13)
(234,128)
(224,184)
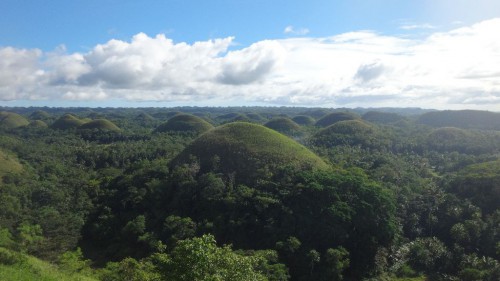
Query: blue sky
(235,48)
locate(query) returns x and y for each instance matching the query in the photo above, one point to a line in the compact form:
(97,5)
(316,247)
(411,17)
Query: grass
(248,149)
(33,269)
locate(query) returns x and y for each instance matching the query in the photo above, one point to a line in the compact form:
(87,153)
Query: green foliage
(199,259)
(74,262)
(337,261)
(382,117)
(30,237)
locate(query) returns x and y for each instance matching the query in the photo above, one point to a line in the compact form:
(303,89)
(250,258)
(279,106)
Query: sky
(440,54)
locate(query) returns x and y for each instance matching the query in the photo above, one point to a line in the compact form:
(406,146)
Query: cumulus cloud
(453,69)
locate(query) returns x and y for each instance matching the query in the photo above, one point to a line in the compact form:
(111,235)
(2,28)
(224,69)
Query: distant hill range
(465,119)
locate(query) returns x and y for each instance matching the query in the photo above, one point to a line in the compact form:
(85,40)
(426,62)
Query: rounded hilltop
(247,150)
(282,125)
(184,123)
(66,122)
(12,120)
(303,120)
(335,117)
(100,124)
(350,132)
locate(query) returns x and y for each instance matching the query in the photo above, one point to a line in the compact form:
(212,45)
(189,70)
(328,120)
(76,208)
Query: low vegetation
(399,194)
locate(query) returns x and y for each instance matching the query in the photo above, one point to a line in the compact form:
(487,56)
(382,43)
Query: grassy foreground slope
(247,150)
(29,268)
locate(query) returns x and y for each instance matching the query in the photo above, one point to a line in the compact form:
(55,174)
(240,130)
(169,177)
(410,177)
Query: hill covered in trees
(194,193)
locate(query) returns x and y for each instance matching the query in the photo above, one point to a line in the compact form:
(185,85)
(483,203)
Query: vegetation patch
(352,133)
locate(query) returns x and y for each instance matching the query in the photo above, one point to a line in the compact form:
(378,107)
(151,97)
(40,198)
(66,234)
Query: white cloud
(295,31)
(417,26)
(454,69)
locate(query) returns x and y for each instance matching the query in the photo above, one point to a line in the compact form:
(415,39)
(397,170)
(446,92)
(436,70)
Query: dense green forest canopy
(249,193)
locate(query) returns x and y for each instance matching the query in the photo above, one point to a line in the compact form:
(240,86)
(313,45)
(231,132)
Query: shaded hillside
(184,123)
(247,150)
(39,115)
(304,120)
(335,117)
(462,119)
(12,120)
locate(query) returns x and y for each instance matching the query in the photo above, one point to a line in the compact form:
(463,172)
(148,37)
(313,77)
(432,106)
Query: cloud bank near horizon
(454,69)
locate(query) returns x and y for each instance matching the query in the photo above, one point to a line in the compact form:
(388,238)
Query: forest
(249,193)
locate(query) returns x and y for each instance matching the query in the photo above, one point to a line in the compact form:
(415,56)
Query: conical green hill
(39,115)
(350,132)
(38,124)
(66,122)
(335,117)
(248,150)
(303,120)
(282,125)
(12,120)
(184,123)
(100,124)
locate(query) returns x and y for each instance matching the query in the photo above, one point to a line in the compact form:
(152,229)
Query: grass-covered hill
(66,122)
(39,115)
(12,120)
(304,120)
(184,123)
(335,117)
(248,150)
(282,125)
(100,124)
(38,124)
(350,132)
(466,119)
